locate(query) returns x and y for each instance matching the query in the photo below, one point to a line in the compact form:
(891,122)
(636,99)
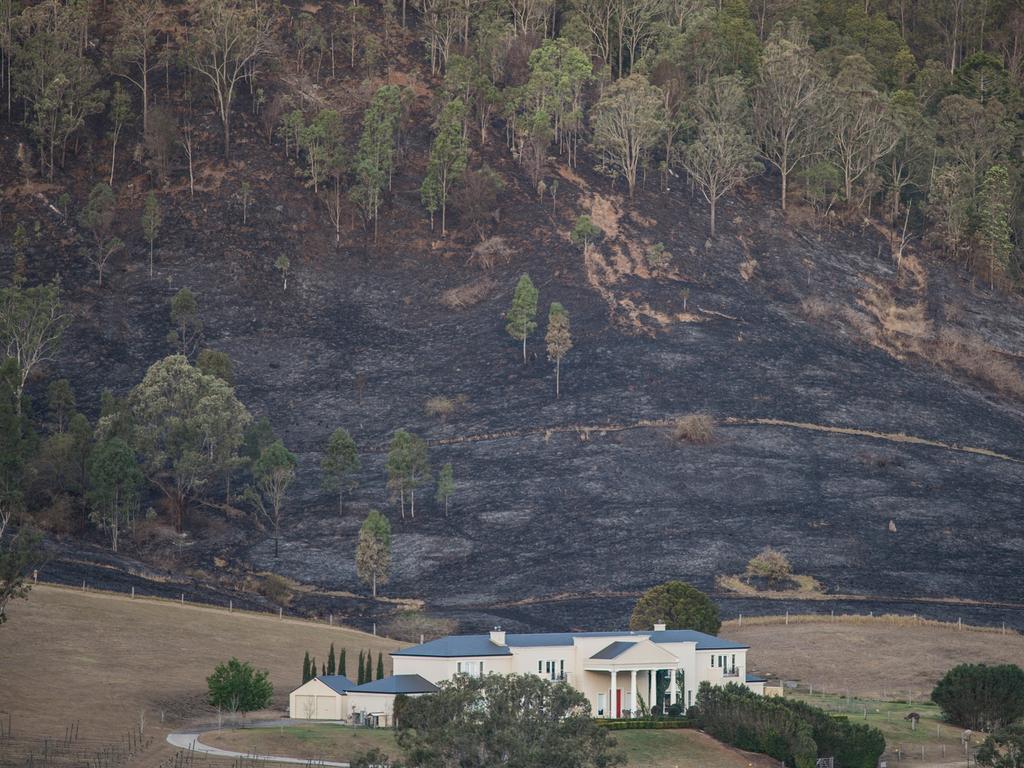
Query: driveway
(189,739)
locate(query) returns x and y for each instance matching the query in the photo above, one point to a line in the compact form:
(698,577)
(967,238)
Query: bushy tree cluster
(788,730)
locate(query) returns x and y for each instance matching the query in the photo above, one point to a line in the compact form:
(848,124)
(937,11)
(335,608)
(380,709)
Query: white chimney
(498,636)
(659,627)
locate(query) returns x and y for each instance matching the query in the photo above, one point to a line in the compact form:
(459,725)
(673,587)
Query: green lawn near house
(940,740)
(319,741)
(327,741)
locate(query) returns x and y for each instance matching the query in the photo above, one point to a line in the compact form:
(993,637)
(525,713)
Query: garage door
(314,707)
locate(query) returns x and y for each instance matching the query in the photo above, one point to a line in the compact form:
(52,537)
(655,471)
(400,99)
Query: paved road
(190,740)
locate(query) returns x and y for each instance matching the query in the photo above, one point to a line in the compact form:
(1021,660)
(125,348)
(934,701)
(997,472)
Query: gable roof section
(337,683)
(640,652)
(613,650)
(395,684)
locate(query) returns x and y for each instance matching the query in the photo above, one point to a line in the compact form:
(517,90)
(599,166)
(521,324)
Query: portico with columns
(635,663)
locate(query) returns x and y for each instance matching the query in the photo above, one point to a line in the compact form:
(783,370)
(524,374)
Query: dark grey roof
(705,642)
(398,684)
(337,683)
(613,649)
(481,645)
(457,645)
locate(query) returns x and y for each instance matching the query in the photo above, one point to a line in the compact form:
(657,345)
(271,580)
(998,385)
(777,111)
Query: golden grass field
(877,658)
(103,660)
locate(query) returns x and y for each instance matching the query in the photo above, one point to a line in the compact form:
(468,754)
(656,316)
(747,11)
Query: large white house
(618,672)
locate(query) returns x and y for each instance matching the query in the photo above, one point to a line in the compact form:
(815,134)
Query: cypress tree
(341,663)
(305,668)
(330,660)
(359,676)
(323,669)
(380,665)
(312,667)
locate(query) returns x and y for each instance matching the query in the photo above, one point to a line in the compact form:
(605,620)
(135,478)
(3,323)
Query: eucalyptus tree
(722,154)
(228,40)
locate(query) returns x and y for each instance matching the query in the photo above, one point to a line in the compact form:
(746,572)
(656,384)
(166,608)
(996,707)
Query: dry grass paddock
(883,657)
(101,659)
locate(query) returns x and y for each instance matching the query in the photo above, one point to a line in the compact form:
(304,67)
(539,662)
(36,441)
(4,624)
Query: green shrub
(981,697)
(790,731)
(647,723)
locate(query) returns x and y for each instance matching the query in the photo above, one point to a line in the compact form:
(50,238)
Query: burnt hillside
(868,412)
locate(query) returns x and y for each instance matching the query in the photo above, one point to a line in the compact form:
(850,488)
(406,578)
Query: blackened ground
(547,503)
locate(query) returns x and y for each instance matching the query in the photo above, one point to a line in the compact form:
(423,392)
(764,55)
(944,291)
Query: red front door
(618,702)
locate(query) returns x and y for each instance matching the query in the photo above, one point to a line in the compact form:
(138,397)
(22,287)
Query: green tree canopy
(520,720)
(235,686)
(980,696)
(186,426)
(273,472)
(115,485)
(339,464)
(677,605)
(521,316)
(373,553)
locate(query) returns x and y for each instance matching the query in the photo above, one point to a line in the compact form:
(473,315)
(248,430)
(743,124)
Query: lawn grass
(324,741)
(939,740)
(682,749)
(319,741)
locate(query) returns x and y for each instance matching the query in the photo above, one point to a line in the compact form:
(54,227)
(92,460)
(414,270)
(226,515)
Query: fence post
(182,598)
(133,593)
(741,619)
(787,616)
(280,613)
(375,629)
(231,606)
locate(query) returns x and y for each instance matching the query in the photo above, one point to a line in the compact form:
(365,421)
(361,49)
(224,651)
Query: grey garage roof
(481,645)
(394,684)
(613,650)
(337,683)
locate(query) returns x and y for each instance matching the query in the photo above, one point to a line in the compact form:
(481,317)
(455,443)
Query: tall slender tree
(373,552)
(521,316)
(274,472)
(340,463)
(448,157)
(558,339)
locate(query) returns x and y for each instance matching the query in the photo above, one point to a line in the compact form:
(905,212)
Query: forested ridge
(320,141)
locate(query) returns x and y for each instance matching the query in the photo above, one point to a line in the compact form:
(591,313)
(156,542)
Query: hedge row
(790,731)
(646,723)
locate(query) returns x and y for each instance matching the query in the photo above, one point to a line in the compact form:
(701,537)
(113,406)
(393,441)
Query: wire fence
(68,750)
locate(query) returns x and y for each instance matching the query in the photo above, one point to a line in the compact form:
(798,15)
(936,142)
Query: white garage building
(335,697)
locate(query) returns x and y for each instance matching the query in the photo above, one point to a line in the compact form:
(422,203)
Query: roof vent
(498,636)
(659,627)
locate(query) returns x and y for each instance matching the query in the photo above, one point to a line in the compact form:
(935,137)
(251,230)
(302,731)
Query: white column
(612,698)
(652,687)
(632,693)
(673,688)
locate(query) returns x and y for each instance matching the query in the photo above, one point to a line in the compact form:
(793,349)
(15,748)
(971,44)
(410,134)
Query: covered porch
(635,664)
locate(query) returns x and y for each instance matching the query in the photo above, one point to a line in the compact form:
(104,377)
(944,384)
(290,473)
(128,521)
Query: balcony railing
(731,672)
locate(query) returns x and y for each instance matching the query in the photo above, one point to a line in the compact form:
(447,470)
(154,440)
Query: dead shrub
(696,428)
(771,565)
(440,406)
(747,269)
(816,309)
(277,589)
(468,295)
(970,355)
(492,251)
(411,626)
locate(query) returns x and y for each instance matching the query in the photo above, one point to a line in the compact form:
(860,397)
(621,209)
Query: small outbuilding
(322,698)
(374,703)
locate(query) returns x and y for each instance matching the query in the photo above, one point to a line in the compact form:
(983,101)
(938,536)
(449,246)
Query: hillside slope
(815,355)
